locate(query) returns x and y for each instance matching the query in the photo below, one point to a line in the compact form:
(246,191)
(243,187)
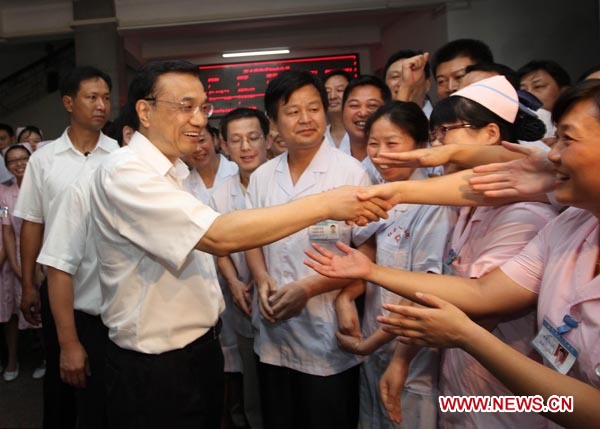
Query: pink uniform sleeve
(527,267)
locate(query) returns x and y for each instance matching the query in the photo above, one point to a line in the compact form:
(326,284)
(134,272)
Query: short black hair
(476,50)
(511,76)
(584,90)
(405,53)
(559,74)
(244,112)
(10,130)
(285,84)
(368,80)
(337,72)
(144,82)
(70,82)
(407,116)
(213,131)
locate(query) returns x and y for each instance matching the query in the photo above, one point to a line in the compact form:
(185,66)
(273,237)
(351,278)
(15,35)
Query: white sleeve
(65,243)
(29,205)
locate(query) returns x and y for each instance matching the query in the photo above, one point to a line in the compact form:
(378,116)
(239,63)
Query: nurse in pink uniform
(558,271)
(485,237)
(16,158)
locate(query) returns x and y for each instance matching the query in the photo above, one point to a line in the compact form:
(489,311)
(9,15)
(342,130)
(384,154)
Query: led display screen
(243,84)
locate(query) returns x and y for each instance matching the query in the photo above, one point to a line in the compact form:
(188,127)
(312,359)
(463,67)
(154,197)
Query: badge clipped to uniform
(327,230)
(554,348)
(3,212)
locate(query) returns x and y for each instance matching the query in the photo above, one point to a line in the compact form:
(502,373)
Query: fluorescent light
(255,53)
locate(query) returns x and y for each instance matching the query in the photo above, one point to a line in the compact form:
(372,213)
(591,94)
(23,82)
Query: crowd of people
(338,260)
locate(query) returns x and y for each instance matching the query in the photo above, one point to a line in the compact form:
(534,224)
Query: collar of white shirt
(320,162)
(155,159)
(64,143)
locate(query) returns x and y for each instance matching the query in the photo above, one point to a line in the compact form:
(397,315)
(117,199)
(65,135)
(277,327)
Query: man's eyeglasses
(187,107)
(253,140)
(439,132)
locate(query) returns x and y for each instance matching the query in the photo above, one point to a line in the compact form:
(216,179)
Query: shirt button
(597,370)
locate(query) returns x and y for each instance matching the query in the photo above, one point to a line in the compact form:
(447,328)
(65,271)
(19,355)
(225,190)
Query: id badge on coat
(554,348)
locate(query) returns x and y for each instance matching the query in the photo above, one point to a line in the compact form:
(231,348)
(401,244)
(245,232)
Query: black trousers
(91,401)
(177,389)
(60,410)
(294,400)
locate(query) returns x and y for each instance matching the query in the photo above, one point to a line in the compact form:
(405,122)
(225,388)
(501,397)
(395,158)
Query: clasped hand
(283,303)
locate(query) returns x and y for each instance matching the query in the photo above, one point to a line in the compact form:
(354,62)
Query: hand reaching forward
(343,204)
(353,265)
(531,175)
(426,157)
(441,324)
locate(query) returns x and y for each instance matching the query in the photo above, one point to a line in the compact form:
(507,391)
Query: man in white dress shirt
(335,83)
(244,134)
(161,298)
(85,95)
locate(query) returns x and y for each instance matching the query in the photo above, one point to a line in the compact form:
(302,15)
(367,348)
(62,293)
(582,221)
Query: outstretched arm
(493,294)
(462,155)
(445,325)
(448,190)
(531,174)
(246,229)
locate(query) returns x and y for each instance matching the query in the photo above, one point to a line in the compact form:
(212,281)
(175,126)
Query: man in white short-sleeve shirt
(70,256)
(86,96)
(244,132)
(161,298)
(303,375)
